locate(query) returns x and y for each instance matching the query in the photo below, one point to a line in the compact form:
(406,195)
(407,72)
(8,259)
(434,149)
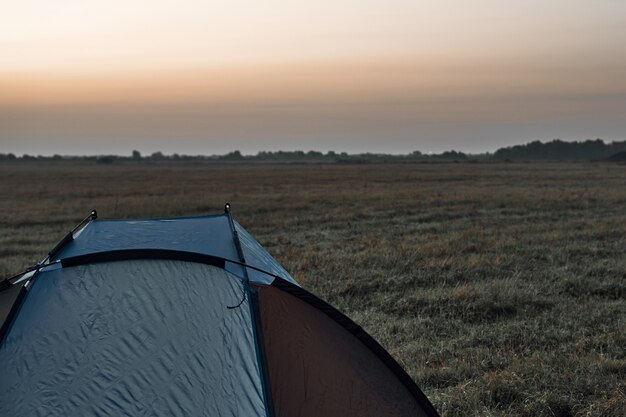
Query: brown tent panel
(320,363)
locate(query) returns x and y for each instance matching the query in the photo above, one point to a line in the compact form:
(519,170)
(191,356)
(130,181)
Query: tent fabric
(9,301)
(257,256)
(184,316)
(138,338)
(208,235)
(317,368)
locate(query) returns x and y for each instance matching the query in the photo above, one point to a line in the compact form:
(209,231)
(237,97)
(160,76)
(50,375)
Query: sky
(198,77)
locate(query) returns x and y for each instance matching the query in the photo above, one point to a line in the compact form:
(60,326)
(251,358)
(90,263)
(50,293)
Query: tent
(184,317)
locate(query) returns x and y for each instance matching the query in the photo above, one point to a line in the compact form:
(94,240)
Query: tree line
(555,150)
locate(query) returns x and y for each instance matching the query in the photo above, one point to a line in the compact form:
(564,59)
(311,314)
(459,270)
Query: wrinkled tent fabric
(138,337)
(206,235)
(184,317)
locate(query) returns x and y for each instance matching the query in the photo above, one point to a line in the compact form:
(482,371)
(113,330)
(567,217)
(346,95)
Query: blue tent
(184,317)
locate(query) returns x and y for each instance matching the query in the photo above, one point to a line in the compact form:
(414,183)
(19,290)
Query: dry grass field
(501,288)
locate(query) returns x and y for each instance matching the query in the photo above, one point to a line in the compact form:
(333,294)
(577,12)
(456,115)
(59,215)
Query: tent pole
(93,215)
(70,236)
(256,318)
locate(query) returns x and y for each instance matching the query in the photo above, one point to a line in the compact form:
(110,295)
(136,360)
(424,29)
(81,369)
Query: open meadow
(500,287)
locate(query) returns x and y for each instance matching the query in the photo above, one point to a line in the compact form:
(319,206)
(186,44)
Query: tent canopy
(206,235)
(179,317)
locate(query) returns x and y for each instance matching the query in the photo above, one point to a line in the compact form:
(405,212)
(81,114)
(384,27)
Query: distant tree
(233,156)
(106,159)
(157,156)
(454,155)
(558,149)
(136,155)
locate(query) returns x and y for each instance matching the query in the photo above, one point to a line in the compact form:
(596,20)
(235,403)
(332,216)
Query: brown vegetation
(501,288)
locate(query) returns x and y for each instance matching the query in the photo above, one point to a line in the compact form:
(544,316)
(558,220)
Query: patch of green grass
(501,288)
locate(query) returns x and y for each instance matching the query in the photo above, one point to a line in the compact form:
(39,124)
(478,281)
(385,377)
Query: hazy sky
(96,76)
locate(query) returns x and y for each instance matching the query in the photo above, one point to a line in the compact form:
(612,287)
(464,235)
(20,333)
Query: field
(501,288)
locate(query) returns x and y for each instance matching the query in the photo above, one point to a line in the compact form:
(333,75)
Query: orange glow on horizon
(314,82)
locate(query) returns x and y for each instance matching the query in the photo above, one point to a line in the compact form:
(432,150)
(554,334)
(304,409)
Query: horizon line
(304,153)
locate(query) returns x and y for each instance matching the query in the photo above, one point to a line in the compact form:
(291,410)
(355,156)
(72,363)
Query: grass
(501,288)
